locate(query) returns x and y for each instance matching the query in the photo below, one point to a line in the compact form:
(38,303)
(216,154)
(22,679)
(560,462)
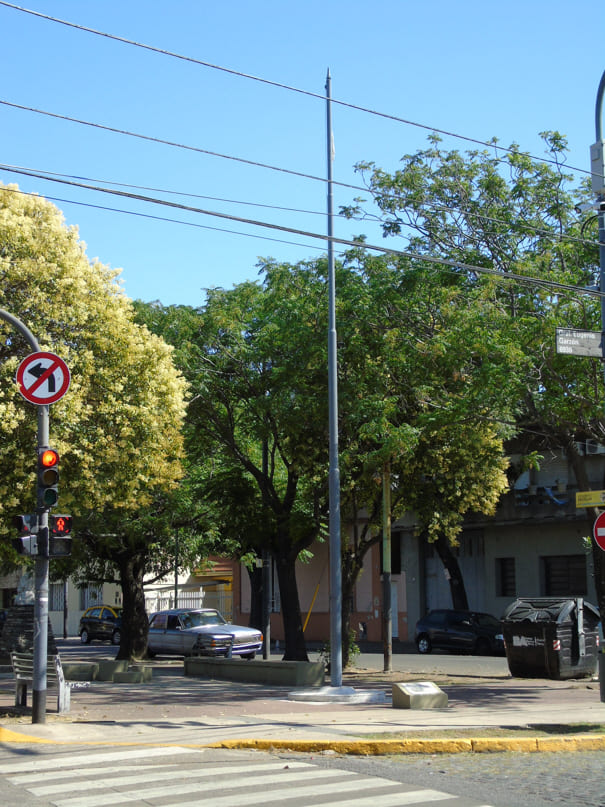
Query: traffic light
(48,477)
(59,536)
(27,542)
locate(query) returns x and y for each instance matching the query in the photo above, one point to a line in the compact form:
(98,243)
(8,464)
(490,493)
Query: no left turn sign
(43,378)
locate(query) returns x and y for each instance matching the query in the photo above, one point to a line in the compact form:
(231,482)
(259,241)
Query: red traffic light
(48,477)
(49,458)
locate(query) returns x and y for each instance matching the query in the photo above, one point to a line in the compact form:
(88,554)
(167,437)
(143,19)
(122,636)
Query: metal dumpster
(551,637)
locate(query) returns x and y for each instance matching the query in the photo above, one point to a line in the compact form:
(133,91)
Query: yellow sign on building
(590,498)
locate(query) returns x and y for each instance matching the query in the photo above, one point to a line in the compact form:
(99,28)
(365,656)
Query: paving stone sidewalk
(175,709)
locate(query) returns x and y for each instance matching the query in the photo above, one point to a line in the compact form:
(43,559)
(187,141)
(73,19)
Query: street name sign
(43,378)
(580,343)
(590,498)
(599,531)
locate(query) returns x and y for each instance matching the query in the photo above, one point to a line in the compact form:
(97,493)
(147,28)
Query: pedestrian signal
(59,536)
(27,542)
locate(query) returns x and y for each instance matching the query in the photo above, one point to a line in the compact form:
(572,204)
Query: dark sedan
(102,622)
(200,631)
(464,631)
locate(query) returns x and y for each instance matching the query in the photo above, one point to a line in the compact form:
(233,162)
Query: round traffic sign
(599,531)
(43,378)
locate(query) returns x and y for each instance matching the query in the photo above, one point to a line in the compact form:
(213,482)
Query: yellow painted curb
(8,736)
(360,747)
(422,746)
(495,744)
(577,743)
(417,745)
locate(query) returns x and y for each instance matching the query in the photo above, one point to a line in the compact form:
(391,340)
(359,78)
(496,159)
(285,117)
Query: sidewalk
(174,710)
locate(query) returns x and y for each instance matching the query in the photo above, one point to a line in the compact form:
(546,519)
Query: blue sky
(476,69)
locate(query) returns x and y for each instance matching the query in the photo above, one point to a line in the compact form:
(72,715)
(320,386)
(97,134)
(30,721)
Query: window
(158,622)
(506,584)
(563,575)
(90,595)
(56,600)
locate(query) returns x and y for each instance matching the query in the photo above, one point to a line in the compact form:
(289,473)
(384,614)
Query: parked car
(200,631)
(464,631)
(102,622)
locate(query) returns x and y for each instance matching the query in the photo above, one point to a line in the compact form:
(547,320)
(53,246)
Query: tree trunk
(256,598)
(290,607)
(135,623)
(453,573)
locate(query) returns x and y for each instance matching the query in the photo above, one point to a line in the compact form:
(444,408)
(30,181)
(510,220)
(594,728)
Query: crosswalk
(189,777)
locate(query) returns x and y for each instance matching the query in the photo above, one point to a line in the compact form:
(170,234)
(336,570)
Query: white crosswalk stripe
(188,777)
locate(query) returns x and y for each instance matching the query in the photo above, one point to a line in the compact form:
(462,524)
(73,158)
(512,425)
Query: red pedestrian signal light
(48,477)
(60,525)
(59,536)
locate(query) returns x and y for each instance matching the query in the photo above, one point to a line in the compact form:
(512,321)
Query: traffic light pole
(41,590)
(41,563)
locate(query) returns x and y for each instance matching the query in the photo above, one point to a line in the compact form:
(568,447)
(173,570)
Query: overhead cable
(346,242)
(278,84)
(233,158)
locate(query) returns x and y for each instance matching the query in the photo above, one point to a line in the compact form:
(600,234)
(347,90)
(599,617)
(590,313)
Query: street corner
(10,736)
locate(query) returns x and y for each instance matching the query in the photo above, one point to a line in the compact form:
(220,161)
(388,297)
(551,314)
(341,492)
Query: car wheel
(116,637)
(423,643)
(248,656)
(84,637)
(482,648)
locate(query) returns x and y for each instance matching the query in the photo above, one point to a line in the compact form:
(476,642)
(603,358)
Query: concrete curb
(423,746)
(359,747)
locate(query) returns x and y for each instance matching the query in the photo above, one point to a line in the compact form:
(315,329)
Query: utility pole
(597,170)
(334,471)
(267,597)
(387,607)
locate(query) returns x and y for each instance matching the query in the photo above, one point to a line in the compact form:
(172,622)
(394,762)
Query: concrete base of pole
(337,695)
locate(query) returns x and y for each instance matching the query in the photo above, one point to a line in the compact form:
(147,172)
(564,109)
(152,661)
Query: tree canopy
(509,223)
(118,430)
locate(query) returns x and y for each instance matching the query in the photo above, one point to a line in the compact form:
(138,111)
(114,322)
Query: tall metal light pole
(41,562)
(597,169)
(597,164)
(334,472)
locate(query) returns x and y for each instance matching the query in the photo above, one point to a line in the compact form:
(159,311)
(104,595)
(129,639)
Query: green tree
(118,430)
(513,215)
(430,405)
(258,374)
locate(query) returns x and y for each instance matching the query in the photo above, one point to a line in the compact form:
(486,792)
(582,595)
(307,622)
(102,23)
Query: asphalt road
(406,660)
(501,780)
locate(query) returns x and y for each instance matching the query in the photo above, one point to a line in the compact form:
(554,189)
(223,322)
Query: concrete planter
(108,669)
(82,671)
(288,673)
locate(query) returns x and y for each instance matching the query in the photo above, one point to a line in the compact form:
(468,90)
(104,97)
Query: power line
(280,85)
(163,142)
(138,214)
(244,160)
(346,242)
(42,173)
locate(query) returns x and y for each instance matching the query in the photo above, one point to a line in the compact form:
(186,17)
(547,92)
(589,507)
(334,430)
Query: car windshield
(195,619)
